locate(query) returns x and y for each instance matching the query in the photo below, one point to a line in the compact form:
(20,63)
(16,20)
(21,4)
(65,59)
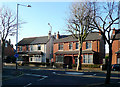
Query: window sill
(87,63)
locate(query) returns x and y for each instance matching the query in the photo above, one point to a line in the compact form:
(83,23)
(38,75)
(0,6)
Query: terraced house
(65,49)
(36,49)
(116,48)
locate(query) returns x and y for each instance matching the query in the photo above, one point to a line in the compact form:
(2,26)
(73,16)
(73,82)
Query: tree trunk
(80,64)
(107,80)
(79,58)
(3,47)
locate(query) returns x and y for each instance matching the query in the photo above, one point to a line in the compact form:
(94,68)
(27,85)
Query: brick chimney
(58,35)
(99,32)
(9,41)
(113,31)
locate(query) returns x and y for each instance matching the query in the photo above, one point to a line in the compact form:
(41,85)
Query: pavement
(8,73)
(13,66)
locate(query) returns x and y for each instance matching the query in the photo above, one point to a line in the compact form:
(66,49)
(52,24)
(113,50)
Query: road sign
(16,55)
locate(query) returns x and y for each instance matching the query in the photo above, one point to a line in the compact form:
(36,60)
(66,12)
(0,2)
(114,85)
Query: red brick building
(65,49)
(9,50)
(116,49)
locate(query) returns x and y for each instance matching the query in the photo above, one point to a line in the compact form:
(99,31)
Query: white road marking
(118,82)
(74,73)
(94,74)
(54,72)
(28,84)
(42,78)
(33,75)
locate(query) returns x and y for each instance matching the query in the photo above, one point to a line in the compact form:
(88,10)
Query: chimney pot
(58,35)
(113,31)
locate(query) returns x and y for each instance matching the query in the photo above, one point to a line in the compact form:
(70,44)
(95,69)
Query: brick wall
(9,51)
(115,48)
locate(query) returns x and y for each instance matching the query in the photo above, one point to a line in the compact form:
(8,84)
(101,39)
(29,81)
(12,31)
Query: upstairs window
(70,46)
(6,45)
(60,47)
(27,47)
(88,45)
(31,47)
(77,45)
(20,48)
(39,47)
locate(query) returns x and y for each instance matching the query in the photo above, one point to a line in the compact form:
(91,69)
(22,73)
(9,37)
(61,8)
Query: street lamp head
(48,23)
(28,5)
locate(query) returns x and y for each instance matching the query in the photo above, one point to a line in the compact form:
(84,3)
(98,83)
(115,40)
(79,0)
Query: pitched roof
(91,36)
(40,40)
(26,41)
(33,40)
(117,36)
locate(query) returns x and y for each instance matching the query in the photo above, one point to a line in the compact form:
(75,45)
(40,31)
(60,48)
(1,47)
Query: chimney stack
(58,35)
(9,41)
(99,32)
(113,31)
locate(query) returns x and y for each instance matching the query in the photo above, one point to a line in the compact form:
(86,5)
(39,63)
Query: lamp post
(50,41)
(17,31)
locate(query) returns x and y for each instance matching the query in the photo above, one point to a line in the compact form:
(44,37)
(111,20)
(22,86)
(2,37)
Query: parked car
(116,67)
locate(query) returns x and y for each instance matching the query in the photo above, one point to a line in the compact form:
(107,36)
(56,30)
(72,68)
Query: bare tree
(78,24)
(107,18)
(7,26)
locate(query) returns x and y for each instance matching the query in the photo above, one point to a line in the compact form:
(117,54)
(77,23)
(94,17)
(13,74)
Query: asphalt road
(51,77)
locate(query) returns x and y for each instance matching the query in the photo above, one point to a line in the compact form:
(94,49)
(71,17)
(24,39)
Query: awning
(30,53)
(67,52)
(74,52)
(35,53)
(117,52)
(22,52)
(88,51)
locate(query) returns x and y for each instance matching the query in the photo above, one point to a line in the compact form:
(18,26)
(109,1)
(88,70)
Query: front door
(68,61)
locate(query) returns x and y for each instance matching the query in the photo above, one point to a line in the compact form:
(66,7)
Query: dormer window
(88,45)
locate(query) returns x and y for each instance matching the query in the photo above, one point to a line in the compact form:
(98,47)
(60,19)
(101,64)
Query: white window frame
(87,59)
(6,44)
(20,48)
(27,47)
(31,47)
(38,47)
(76,46)
(60,45)
(87,43)
(71,46)
(57,60)
(118,60)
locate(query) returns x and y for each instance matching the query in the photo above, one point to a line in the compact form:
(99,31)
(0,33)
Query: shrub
(91,65)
